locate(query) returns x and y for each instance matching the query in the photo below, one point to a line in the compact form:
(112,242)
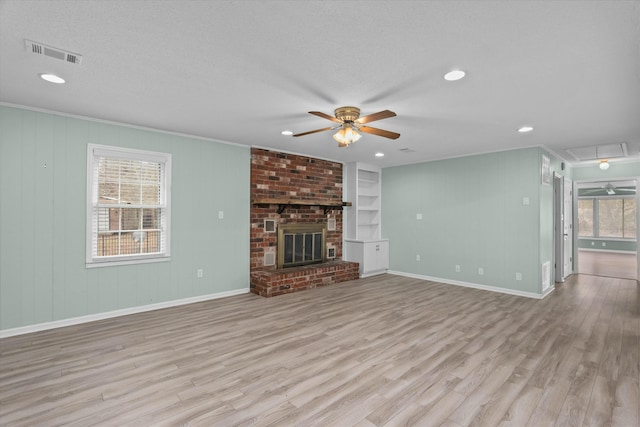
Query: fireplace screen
(300,244)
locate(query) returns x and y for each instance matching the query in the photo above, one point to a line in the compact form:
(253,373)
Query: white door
(567,228)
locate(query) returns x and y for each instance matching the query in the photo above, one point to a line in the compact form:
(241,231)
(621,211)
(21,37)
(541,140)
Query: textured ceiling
(243,71)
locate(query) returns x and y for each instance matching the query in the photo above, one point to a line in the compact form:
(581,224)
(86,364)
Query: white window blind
(129,210)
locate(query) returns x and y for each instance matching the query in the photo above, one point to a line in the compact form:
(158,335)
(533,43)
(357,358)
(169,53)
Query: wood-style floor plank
(621,265)
(383,351)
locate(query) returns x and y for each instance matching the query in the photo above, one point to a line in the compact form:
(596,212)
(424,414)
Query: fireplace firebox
(301,244)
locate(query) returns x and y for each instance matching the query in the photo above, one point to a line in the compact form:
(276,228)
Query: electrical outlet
(525,201)
(220,214)
(199,273)
(481,271)
(457,268)
(518,276)
(418,216)
(417,257)
(604,243)
(593,243)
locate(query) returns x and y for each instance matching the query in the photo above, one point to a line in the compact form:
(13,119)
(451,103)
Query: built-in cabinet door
(382,249)
(370,257)
(375,257)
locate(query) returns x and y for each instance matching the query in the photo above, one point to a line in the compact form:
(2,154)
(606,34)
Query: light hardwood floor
(610,264)
(383,351)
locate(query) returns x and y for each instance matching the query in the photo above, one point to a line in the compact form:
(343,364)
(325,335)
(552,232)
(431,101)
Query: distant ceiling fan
(350,122)
(610,189)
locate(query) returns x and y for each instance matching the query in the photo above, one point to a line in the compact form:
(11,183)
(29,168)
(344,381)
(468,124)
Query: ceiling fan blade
(325,116)
(376,116)
(379,132)
(312,131)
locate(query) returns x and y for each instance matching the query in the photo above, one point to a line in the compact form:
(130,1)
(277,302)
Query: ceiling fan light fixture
(604,164)
(346,135)
(350,124)
(525,129)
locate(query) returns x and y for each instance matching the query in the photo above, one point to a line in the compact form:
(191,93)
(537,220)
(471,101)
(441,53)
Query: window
(585,217)
(607,217)
(128,209)
(629,227)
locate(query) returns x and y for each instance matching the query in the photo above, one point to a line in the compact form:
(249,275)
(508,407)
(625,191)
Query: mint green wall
(473,215)
(42,220)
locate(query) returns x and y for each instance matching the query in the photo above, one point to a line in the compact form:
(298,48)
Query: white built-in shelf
(363,240)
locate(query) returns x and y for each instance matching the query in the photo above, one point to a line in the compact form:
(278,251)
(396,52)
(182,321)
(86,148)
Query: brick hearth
(269,283)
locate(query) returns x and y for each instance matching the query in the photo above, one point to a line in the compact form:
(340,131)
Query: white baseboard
(547,291)
(109,314)
(374,273)
(474,285)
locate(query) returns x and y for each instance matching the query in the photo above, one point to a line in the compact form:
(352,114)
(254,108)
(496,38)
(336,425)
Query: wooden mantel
(283,202)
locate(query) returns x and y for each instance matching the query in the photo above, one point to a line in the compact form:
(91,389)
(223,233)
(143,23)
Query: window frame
(94,151)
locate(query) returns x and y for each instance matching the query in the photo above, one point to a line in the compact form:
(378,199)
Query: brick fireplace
(284,191)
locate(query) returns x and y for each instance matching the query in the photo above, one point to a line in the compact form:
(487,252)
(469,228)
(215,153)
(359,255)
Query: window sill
(114,263)
(608,239)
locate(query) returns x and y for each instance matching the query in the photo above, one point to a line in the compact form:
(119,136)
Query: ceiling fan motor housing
(347,114)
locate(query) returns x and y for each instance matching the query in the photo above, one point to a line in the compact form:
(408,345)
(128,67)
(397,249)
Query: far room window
(607,217)
(585,217)
(129,210)
(617,218)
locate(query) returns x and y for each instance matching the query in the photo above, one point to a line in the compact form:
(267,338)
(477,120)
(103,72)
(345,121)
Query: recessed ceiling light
(287,132)
(52,78)
(525,129)
(454,75)
(379,154)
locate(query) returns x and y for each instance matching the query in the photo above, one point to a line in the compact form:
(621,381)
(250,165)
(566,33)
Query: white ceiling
(243,71)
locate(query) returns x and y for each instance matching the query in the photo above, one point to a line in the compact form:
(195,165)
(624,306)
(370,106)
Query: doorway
(606,218)
(563,227)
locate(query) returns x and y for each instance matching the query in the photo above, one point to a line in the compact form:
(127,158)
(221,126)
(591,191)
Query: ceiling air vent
(52,52)
(597,152)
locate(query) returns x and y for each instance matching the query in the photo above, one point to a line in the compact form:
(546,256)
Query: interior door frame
(571,232)
(559,192)
(637,180)
(576,257)
(576,248)
(558,233)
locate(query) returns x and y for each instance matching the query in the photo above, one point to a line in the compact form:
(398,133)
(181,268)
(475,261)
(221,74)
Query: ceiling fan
(350,122)
(610,189)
